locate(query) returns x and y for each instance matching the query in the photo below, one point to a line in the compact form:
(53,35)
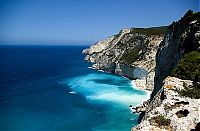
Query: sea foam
(106,88)
(113,93)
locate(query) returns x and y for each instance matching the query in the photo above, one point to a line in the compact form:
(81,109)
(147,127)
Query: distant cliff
(131,53)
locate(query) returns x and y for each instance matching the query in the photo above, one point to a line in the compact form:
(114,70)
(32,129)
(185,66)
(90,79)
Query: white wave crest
(108,93)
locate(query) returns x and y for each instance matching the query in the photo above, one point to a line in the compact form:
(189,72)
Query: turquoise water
(51,88)
(112,92)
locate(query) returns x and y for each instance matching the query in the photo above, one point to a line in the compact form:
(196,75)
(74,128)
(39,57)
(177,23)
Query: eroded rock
(183,112)
(131,53)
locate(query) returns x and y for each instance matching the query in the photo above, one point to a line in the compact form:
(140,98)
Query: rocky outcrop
(131,53)
(183,113)
(182,37)
(167,105)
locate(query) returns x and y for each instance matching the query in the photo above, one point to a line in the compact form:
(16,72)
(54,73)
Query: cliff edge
(175,102)
(130,53)
(181,38)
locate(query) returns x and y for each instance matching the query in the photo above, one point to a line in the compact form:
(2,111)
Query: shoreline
(145,99)
(135,84)
(90,67)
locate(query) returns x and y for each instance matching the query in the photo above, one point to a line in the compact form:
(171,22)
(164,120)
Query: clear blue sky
(83,21)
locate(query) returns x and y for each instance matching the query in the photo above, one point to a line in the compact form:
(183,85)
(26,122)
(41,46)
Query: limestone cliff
(171,107)
(182,37)
(174,112)
(131,53)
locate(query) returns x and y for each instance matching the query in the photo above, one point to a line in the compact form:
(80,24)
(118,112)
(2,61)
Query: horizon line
(47,43)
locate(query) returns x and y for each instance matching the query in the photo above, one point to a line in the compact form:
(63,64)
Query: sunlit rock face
(130,53)
(182,112)
(166,103)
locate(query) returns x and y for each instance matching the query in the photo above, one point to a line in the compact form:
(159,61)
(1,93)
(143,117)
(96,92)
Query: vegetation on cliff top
(132,55)
(191,91)
(189,68)
(151,31)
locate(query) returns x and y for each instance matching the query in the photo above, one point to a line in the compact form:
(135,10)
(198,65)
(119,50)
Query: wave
(106,88)
(113,93)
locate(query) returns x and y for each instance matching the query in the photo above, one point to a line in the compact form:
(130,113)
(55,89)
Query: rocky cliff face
(167,109)
(176,113)
(182,37)
(131,53)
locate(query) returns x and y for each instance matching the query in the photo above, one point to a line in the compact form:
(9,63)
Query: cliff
(130,53)
(152,55)
(181,38)
(174,112)
(175,103)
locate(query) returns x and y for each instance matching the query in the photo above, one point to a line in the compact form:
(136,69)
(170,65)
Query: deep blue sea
(50,88)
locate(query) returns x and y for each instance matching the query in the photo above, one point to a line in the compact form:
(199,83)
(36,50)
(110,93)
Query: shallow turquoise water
(112,92)
(50,88)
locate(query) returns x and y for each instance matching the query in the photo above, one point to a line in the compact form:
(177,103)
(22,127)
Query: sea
(51,88)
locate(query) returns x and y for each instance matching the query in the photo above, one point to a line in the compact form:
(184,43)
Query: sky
(82,21)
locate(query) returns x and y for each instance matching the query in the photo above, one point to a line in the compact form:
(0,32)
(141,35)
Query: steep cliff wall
(131,53)
(182,37)
(174,104)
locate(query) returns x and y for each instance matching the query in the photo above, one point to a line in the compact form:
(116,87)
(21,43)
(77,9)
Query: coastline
(138,87)
(93,68)
(135,84)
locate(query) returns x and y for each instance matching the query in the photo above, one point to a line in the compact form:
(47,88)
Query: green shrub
(136,38)
(160,121)
(130,56)
(191,91)
(188,67)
